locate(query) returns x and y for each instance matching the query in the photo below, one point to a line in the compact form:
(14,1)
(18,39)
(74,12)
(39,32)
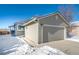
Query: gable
(53,20)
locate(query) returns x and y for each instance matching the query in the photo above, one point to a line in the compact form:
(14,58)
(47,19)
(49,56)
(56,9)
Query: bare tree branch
(66,11)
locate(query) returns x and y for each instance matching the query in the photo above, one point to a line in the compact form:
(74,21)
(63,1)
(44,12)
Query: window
(20,27)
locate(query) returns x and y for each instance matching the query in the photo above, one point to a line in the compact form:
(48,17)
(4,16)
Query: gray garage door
(53,33)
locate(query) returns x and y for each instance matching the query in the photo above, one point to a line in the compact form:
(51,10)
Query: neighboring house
(74,30)
(12,30)
(46,29)
(17,29)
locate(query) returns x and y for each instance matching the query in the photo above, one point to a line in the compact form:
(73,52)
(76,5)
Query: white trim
(41,34)
(65,33)
(29,21)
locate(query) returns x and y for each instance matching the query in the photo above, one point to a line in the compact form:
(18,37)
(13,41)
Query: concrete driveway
(67,46)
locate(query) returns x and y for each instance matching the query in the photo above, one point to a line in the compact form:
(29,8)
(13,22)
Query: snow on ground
(74,38)
(46,50)
(9,44)
(13,46)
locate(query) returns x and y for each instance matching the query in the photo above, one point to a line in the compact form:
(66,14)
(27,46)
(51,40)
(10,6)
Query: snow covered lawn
(13,46)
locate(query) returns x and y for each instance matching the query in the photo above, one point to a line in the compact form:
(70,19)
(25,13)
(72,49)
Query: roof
(40,17)
(20,22)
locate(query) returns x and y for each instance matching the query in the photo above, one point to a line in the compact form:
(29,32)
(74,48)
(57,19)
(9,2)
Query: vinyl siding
(53,20)
(31,32)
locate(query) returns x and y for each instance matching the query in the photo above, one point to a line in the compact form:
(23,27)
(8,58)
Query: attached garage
(46,29)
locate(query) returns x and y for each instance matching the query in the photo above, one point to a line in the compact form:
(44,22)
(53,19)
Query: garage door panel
(53,33)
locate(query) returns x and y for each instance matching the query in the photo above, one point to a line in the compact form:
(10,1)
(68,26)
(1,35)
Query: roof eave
(33,20)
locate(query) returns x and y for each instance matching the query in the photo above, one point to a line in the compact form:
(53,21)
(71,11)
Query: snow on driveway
(13,46)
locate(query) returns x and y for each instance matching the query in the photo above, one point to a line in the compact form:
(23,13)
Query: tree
(66,11)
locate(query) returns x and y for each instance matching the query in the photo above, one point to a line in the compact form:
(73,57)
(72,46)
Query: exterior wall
(15,30)
(47,34)
(37,33)
(18,33)
(74,31)
(12,30)
(31,32)
(40,37)
(53,20)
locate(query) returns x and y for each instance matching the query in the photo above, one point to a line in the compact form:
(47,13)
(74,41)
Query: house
(47,28)
(12,30)
(74,30)
(17,29)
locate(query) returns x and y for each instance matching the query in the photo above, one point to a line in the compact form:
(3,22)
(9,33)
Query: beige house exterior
(74,29)
(46,29)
